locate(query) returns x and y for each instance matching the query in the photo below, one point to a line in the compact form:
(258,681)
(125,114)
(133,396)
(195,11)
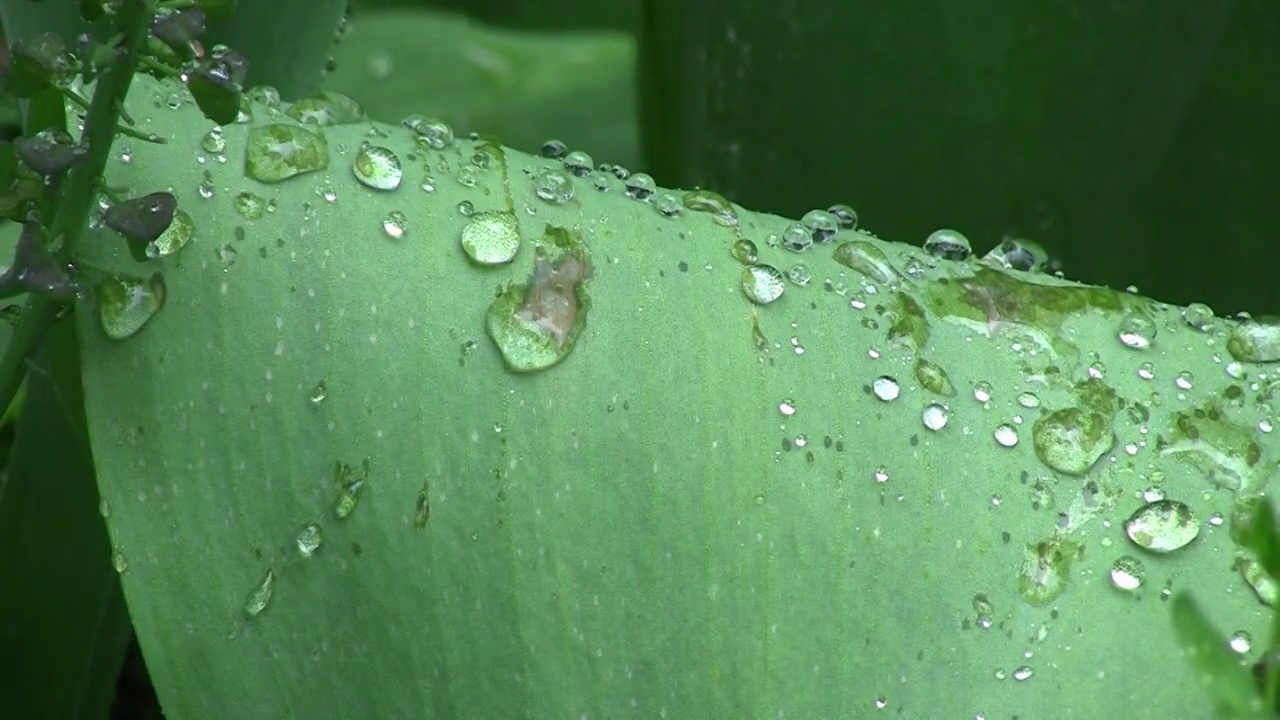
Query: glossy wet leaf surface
(661,521)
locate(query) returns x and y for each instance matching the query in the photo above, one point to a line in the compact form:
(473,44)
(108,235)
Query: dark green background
(1134,138)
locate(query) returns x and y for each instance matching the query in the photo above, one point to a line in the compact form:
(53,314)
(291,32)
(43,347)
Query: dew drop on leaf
(948,245)
(260,596)
(174,238)
(712,203)
(641,186)
(249,205)
(491,237)
(377,167)
(1136,331)
(744,251)
(1162,526)
(762,284)
(422,507)
(309,539)
(1127,573)
(278,152)
(1071,440)
(435,133)
(579,163)
(125,303)
(319,392)
(554,185)
(394,224)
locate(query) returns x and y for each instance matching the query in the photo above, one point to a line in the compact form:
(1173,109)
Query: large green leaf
(708,509)
(524,88)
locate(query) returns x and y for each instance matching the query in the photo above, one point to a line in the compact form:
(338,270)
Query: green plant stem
(100,127)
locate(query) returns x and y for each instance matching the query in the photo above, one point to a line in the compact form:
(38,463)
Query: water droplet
(1198,316)
(1127,573)
(536,326)
(422,507)
(1028,399)
(327,108)
(579,163)
(309,539)
(260,595)
(174,238)
(762,283)
(866,259)
(349,490)
(119,561)
(1006,435)
(1045,569)
(822,225)
(787,407)
(1137,331)
(744,251)
(886,388)
(799,274)
(435,133)
(845,215)
(797,238)
(1241,641)
(250,206)
(641,186)
(1162,526)
(278,152)
(667,204)
(553,149)
(948,245)
(125,303)
(935,416)
(491,237)
(214,142)
(1023,673)
(1264,586)
(934,378)
(1071,440)
(377,167)
(1018,254)
(319,393)
(1256,340)
(713,203)
(554,186)
(394,224)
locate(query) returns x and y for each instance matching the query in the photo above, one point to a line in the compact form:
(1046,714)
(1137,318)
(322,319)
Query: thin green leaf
(1221,670)
(66,631)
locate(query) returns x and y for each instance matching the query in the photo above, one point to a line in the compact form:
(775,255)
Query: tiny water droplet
(799,274)
(422,507)
(119,562)
(377,167)
(319,393)
(214,142)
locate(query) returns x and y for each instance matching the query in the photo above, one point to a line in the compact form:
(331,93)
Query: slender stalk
(100,127)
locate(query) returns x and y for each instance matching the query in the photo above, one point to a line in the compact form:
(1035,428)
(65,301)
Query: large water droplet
(536,326)
(1198,316)
(1071,440)
(579,163)
(948,245)
(125,303)
(1256,340)
(762,283)
(249,205)
(491,237)
(377,167)
(744,251)
(1044,572)
(867,259)
(1162,526)
(847,216)
(822,225)
(641,186)
(797,238)
(278,152)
